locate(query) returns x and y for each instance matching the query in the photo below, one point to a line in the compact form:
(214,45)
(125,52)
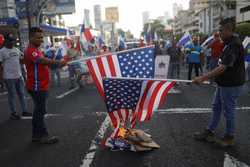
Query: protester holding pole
(230,77)
(38,85)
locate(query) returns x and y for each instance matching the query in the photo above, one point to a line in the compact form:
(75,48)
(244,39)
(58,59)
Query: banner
(161,66)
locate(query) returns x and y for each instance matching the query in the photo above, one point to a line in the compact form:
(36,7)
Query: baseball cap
(10,38)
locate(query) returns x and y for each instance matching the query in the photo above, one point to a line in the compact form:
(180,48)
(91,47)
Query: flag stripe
(111,65)
(116,65)
(152,99)
(106,67)
(144,91)
(133,119)
(166,92)
(120,115)
(100,66)
(96,76)
(158,98)
(113,119)
(123,113)
(147,100)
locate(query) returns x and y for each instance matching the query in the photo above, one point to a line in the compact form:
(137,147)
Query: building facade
(145,17)
(97,16)
(210,16)
(242,12)
(87,17)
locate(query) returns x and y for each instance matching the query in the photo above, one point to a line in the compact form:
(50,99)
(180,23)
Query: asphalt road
(77,117)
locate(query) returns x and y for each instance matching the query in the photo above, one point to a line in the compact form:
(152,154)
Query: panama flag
(148,35)
(207,41)
(85,36)
(185,39)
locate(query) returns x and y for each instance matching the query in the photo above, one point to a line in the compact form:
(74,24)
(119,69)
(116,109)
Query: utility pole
(28,14)
(210,16)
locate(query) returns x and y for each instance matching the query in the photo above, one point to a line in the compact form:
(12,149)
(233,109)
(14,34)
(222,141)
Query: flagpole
(155,79)
(107,54)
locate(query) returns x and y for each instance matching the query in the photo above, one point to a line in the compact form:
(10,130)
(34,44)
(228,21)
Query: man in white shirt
(10,59)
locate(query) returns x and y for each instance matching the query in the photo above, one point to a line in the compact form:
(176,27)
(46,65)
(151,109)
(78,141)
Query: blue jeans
(248,72)
(225,100)
(174,70)
(38,123)
(213,63)
(55,72)
(16,86)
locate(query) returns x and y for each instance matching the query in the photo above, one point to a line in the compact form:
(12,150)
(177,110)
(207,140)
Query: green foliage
(243,29)
(157,27)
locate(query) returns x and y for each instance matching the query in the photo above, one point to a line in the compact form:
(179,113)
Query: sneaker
(46,140)
(14,116)
(226,141)
(206,135)
(27,114)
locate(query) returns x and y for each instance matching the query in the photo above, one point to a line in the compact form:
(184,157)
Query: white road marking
(174,91)
(67,93)
(3,93)
(191,110)
(230,161)
(46,116)
(89,157)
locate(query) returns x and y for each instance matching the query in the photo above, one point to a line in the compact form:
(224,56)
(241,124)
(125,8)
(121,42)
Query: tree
(121,32)
(243,29)
(156,27)
(129,35)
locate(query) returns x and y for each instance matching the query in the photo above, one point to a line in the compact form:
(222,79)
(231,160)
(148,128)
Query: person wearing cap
(10,60)
(230,78)
(37,84)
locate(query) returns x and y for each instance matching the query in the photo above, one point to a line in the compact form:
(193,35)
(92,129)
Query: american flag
(137,63)
(133,99)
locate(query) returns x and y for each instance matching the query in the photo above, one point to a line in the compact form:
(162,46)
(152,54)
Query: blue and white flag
(122,44)
(155,36)
(148,35)
(207,41)
(185,40)
(246,42)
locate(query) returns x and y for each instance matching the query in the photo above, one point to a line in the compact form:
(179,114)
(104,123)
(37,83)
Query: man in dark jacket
(230,77)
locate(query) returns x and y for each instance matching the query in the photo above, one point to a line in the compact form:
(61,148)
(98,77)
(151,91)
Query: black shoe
(14,116)
(46,140)
(27,114)
(225,142)
(206,135)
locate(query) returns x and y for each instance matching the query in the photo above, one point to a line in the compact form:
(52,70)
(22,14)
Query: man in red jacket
(38,83)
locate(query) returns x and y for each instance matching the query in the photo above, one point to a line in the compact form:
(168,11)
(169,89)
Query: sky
(130,11)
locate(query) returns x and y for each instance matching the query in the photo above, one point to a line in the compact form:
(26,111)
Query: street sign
(112,14)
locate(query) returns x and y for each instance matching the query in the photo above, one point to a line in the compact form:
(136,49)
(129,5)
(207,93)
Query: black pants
(38,125)
(190,69)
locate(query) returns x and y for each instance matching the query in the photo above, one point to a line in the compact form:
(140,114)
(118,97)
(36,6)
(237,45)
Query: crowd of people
(224,59)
